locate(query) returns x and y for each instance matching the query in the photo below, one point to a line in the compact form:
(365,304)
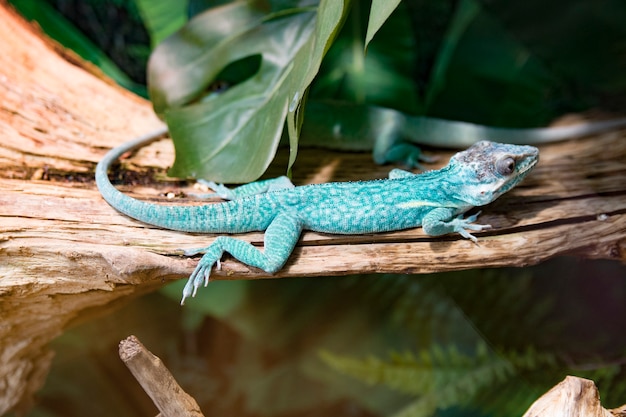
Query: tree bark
(65,255)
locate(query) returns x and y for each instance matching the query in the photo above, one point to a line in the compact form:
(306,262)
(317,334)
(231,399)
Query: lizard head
(488,169)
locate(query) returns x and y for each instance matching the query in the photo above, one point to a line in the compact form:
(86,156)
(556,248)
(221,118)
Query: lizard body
(434,200)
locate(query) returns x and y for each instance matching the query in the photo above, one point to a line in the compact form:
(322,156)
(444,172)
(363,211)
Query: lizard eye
(505,166)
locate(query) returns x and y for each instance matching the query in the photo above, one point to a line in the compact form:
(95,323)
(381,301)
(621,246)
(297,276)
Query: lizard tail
(228,217)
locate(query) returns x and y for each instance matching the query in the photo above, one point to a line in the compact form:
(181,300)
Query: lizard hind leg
(280,238)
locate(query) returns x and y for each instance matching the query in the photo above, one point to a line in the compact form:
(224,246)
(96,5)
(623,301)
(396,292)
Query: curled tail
(208,218)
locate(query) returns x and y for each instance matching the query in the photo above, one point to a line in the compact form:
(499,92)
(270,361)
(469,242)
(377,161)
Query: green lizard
(434,200)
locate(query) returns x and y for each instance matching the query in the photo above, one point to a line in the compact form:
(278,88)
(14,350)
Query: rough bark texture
(56,120)
(66,255)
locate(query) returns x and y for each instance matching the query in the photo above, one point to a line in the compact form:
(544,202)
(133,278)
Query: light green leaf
(331,15)
(183,66)
(247,120)
(162,17)
(379,13)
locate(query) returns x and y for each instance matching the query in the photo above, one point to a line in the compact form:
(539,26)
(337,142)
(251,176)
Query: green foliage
(224,297)
(465,352)
(440,377)
(64,32)
(479,72)
(580,40)
(233,136)
(377,78)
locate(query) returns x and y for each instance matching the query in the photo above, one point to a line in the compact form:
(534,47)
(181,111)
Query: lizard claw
(188,291)
(461,226)
(206,277)
(201,274)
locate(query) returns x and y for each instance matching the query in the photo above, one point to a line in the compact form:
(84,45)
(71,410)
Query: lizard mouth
(534,158)
(529,166)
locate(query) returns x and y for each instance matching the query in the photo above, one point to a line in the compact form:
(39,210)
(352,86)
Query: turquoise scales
(434,200)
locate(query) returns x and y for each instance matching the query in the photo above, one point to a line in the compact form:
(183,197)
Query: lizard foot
(199,276)
(461,226)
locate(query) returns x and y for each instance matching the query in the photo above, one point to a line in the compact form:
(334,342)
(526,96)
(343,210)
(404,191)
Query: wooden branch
(56,120)
(157,381)
(619,412)
(65,255)
(572,397)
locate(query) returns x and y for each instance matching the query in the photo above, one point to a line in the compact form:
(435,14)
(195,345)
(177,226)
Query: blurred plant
(464,356)
(441,378)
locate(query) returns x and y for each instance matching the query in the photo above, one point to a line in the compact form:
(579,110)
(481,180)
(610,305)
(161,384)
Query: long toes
(206,277)
(198,278)
(472,218)
(187,291)
(468,235)
(477,227)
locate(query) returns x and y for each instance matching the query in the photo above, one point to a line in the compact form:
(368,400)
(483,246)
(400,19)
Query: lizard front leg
(442,220)
(279,240)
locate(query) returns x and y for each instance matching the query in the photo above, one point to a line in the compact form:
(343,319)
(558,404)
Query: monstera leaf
(266,57)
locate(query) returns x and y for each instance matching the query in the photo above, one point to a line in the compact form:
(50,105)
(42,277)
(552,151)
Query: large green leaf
(233,136)
(480,73)
(185,64)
